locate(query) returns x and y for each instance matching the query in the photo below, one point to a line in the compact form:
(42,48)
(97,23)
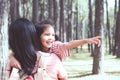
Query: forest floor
(79,67)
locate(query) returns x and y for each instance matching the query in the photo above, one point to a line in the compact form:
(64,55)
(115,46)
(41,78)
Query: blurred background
(73,19)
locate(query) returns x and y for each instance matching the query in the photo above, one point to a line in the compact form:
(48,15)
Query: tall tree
(61,30)
(108,27)
(117,34)
(14,9)
(98,28)
(35,17)
(3,38)
(41,3)
(115,18)
(56,15)
(25,6)
(69,23)
(50,9)
(90,24)
(77,24)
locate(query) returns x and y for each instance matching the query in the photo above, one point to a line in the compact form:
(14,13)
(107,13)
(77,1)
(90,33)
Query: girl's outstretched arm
(76,43)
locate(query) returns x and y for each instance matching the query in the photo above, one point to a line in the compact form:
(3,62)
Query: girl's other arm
(14,62)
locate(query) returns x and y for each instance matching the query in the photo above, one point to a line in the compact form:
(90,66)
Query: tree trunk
(14,9)
(3,38)
(98,26)
(41,9)
(115,17)
(69,23)
(77,28)
(61,30)
(56,15)
(90,24)
(35,16)
(108,28)
(50,9)
(117,34)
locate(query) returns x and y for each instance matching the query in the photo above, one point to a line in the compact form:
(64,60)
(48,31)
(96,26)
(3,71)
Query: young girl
(46,36)
(48,46)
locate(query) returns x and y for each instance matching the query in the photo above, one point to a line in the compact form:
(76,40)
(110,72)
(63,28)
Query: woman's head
(24,42)
(46,34)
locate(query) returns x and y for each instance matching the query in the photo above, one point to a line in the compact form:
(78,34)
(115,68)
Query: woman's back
(24,43)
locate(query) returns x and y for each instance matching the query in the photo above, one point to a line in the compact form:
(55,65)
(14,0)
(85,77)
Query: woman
(24,44)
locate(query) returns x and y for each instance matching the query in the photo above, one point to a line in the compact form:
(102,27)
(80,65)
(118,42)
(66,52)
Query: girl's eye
(47,34)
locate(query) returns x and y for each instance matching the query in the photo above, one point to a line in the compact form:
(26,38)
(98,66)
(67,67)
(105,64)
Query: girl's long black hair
(24,43)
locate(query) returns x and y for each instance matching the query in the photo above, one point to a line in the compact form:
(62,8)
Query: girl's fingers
(97,40)
(98,37)
(18,65)
(99,43)
(14,63)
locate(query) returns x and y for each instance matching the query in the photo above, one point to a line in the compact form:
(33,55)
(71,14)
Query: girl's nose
(52,37)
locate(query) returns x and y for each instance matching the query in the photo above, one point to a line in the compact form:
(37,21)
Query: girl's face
(47,38)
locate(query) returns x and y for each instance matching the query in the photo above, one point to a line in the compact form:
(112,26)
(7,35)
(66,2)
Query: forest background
(73,19)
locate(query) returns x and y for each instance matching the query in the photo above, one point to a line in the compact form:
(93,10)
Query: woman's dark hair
(41,27)
(24,43)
